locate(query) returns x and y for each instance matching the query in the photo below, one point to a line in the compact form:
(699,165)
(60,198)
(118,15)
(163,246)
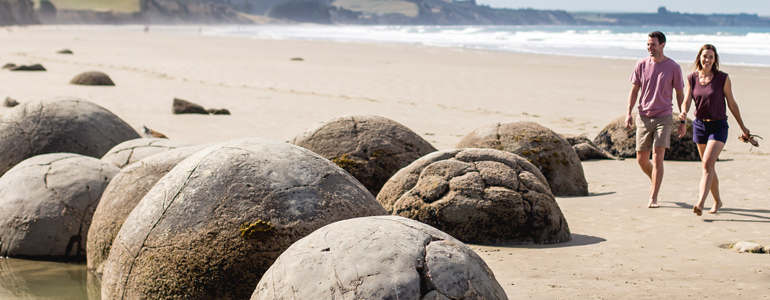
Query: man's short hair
(658,35)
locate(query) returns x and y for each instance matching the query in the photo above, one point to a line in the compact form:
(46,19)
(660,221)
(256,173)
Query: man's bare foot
(716,207)
(697,210)
(652,204)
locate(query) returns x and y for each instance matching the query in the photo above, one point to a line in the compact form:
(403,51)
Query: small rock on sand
(10,102)
(748,246)
(186,107)
(35,67)
(92,78)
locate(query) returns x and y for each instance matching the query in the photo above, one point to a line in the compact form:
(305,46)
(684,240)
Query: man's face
(654,47)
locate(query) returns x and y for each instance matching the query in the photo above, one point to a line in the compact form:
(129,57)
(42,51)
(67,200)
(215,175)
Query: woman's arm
(728,90)
(687,100)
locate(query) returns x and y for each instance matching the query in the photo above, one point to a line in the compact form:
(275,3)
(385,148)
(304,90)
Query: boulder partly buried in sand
(63,124)
(46,205)
(186,107)
(35,67)
(92,78)
(131,151)
(545,149)
(121,196)
(621,142)
(213,225)
(64,51)
(371,148)
(586,149)
(384,257)
(483,196)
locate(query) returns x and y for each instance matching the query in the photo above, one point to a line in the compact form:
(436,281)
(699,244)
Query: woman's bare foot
(652,204)
(716,207)
(697,210)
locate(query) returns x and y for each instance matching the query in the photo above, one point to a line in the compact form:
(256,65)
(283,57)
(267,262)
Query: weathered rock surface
(747,247)
(371,148)
(121,196)
(92,78)
(10,102)
(35,67)
(621,142)
(17,12)
(480,196)
(586,149)
(46,205)
(213,225)
(186,107)
(62,124)
(385,257)
(132,151)
(545,149)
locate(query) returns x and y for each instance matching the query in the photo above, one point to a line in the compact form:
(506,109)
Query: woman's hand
(682,116)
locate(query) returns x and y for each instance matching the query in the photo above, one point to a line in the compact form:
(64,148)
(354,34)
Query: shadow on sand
(762,214)
(577,240)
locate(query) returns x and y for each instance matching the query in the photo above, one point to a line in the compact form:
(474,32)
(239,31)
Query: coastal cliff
(17,12)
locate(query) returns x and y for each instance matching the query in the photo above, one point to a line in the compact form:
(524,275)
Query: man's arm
(631,103)
(679,98)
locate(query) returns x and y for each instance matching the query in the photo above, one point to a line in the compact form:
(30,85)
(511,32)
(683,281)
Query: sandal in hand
(750,139)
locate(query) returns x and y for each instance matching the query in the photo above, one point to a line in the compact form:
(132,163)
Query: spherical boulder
(482,196)
(545,149)
(92,78)
(54,125)
(131,151)
(213,225)
(46,205)
(386,257)
(621,142)
(371,148)
(120,197)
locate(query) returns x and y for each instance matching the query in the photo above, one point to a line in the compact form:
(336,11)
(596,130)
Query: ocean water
(736,45)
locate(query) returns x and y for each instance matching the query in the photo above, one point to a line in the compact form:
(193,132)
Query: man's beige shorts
(653,131)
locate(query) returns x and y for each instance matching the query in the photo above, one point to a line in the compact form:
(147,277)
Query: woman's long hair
(697,65)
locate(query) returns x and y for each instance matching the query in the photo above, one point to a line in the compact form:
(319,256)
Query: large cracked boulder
(213,225)
(371,148)
(46,205)
(92,78)
(621,142)
(131,151)
(63,124)
(482,196)
(385,257)
(545,149)
(120,197)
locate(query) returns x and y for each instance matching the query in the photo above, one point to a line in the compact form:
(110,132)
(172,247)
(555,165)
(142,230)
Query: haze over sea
(748,46)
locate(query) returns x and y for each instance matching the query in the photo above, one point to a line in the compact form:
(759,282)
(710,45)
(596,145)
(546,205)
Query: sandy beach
(620,248)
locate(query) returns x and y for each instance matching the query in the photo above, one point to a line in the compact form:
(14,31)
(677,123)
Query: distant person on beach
(656,76)
(709,88)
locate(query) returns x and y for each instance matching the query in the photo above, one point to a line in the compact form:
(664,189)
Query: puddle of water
(42,280)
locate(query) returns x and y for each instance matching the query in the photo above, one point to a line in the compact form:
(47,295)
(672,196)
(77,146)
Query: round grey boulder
(621,142)
(385,257)
(371,148)
(120,197)
(213,224)
(131,151)
(92,78)
(481,196)
(54,125)
(46,205)
(545,149)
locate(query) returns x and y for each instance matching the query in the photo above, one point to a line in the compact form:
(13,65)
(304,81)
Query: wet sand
(620,248)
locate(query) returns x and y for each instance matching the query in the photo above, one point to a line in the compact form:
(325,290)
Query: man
(657,76)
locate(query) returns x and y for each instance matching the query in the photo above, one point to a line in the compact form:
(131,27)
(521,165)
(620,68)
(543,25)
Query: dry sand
(620,248)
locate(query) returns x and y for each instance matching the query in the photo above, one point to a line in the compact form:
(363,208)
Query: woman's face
(707,59)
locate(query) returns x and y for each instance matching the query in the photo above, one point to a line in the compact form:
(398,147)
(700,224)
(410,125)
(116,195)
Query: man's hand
(682,129)
(629,122)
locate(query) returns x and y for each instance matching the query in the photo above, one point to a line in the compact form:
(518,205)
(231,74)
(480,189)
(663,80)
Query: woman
(710,87)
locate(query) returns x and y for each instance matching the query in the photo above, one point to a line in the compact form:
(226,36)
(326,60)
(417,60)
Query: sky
(761,7)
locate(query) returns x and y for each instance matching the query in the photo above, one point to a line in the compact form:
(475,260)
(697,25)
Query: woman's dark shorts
(703,131)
